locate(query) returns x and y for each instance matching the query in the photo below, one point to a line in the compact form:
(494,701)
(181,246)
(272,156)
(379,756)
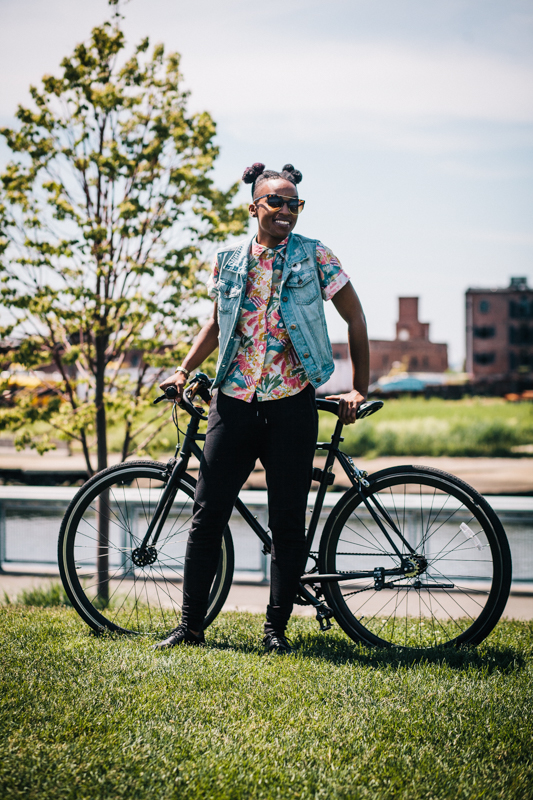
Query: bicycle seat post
(336,437)
(331,448)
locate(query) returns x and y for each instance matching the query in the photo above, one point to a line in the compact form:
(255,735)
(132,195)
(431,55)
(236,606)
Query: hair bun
(251,174)
(296,174)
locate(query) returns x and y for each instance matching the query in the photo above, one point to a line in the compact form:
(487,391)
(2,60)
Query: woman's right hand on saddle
(179,381)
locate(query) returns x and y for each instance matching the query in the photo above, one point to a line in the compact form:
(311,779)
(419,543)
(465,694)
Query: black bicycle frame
(179,466)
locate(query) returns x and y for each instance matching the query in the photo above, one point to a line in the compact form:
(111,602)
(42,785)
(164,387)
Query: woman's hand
(348,405)
(179,381)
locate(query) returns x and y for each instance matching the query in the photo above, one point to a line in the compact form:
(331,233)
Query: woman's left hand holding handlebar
(348,405)
(179,381)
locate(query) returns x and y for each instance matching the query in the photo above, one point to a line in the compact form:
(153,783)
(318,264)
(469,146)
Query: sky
(411,121)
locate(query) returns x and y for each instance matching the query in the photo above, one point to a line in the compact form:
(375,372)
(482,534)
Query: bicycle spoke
(141,593)
(440,603)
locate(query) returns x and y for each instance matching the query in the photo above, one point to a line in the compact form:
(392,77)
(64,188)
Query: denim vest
(301,306)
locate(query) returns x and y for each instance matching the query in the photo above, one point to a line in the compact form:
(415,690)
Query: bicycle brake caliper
(169,467)
(360,474)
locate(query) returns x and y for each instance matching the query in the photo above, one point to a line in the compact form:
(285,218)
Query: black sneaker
(180,635)
(277,643)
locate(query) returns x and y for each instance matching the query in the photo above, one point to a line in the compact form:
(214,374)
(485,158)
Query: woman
(268,323)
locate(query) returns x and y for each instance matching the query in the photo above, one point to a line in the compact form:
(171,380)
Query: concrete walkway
(487,475)
(254,598)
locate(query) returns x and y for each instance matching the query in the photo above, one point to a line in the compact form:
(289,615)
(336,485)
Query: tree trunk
(102,563)
(101,444)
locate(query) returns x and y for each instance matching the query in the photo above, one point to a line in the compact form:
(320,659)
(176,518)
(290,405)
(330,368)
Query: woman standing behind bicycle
(268,323)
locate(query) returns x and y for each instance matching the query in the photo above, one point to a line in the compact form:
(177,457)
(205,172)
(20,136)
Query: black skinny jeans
(282,434)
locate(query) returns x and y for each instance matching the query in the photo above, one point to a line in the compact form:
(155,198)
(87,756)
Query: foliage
(41,596)
(88,716)
(106,211)
(418,427)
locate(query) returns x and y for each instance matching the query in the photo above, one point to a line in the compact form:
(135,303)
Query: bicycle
(410,556)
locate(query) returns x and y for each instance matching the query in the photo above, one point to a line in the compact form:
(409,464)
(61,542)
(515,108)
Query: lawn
(103,717)
(477,426)
(413,426)
(418,427)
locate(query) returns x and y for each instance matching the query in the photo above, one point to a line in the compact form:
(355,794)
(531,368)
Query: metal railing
(30,517)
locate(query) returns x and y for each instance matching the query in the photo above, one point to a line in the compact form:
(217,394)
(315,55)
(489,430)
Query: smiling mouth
(284,222)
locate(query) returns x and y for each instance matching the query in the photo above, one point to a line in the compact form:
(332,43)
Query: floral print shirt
(266,363)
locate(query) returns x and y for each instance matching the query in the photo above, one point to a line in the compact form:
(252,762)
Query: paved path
(253,597)
(487,475)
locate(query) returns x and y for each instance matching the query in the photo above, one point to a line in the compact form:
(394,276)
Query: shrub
(44,596)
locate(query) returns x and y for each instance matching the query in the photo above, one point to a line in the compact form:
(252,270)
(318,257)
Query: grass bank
(89,717)
(435,427)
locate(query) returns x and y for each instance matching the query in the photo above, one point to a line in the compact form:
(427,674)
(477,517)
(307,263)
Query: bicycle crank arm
(323,612)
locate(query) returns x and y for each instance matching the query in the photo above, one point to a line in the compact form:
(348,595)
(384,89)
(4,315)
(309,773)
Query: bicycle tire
(142,599)
(461,594)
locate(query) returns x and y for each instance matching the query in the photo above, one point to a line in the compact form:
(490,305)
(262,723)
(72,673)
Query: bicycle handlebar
(201,383)
(185,403)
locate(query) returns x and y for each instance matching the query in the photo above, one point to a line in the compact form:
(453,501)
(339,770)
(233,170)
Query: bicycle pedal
(323,616)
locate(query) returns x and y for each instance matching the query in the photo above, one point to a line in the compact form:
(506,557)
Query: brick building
(499,334)
(411,347)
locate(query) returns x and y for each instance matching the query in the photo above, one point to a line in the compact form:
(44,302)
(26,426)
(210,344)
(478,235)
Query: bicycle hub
(413,566)
(144,557)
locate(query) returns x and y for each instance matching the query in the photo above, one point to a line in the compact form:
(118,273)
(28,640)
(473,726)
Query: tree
(105,213)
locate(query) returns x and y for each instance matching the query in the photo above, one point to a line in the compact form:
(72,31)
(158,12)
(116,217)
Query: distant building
(411,347)
(499,333)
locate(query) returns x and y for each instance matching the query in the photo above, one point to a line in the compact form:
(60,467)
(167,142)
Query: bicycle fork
(146,553)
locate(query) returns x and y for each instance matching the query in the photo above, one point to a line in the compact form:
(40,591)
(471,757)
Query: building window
(414,363)
(521,334)
(385,360)
(521,309)
(521,362)
(484,331)
(425,362)
(484,306)
(484,358)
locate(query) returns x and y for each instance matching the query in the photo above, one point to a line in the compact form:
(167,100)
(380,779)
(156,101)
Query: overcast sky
(411,121)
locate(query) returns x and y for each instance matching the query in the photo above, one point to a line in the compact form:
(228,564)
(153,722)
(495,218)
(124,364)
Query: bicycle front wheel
(105,579)
(462,571)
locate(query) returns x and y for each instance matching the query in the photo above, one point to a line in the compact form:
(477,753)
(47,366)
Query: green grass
(418,427)
(103,717)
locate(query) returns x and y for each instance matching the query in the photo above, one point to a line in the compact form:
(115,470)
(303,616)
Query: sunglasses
(294,204)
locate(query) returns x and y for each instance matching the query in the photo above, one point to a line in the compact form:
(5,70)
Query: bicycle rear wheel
(463,577)
(115,508)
